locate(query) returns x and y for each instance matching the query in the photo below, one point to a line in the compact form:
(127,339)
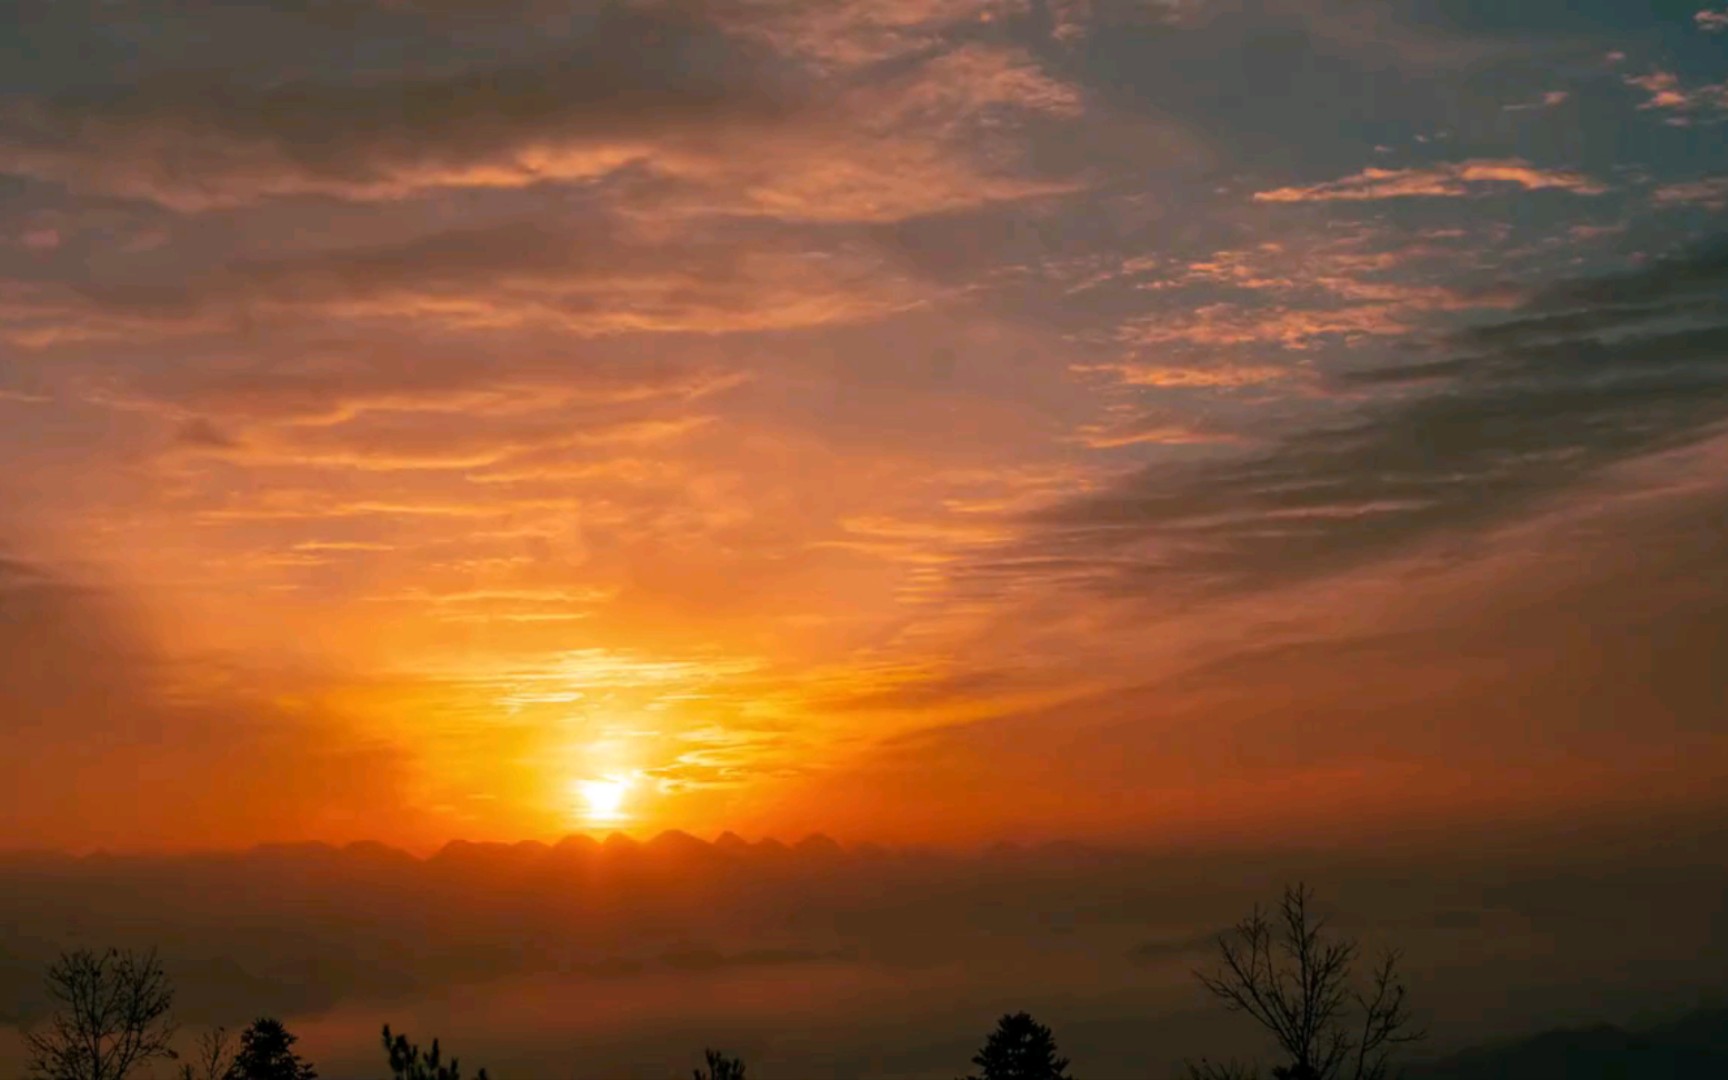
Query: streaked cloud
(518,275)
(1548,100)
(1140,432)
(1710,192)
(671,133)
(1172,375)
(1466,179)
(1586,373)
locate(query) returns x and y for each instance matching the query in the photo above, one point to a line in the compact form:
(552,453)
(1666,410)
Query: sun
(603,799)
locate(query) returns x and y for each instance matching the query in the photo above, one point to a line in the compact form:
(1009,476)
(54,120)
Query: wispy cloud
(1467,179)
(1710,192)
(1548,100)
(1180,375)
(591,281)
(670,132)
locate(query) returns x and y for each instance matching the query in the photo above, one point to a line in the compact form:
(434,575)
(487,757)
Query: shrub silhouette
(267,1053)
(409,1062)
(1020,1049)
(720,1067)
(112,1018)
(1287,974)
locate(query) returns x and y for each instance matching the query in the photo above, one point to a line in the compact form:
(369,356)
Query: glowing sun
(603,800)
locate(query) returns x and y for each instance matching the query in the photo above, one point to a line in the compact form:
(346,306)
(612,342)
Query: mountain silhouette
(818,846)
(1693,1047)
(676,844)
(731,843)
(576,846)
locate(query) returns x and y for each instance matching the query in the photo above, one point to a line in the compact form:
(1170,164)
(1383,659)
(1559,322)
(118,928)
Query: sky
(925,421)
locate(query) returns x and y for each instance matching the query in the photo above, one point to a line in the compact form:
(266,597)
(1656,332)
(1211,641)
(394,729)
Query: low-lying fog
(625,960)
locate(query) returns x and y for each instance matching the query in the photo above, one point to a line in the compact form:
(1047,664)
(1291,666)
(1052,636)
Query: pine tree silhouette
(1020,1049)
(409,1062)
(720,1067)
(267,1053)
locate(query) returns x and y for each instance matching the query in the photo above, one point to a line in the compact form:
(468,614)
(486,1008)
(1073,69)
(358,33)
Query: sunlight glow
(603,799)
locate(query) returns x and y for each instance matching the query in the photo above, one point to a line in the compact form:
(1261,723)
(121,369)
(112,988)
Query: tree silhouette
(1288,975)
(215,1054)
(1020,1049)
(720,1067)
(409,1062)
(267,1053)
(112,1018)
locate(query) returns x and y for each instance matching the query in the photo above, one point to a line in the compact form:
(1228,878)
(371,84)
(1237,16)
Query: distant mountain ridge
(668,842)
(1694,1047)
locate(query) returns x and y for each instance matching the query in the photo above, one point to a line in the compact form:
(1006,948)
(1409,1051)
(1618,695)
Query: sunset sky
(913,420)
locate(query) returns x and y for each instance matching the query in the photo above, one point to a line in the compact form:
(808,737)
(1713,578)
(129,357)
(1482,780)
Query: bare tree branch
(113,1017)
(214,1055)
(1294,980)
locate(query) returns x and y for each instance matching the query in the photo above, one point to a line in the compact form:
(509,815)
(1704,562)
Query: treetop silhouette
(1020,1049)
(720,1067)
(409,1062)
(267,1053)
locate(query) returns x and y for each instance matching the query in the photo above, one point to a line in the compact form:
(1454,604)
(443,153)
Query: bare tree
(213,1058)
(1294,980)
(112,1018)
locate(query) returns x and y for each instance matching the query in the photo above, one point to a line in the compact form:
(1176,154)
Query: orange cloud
(1669,94)
(1223,325)
(1225,376)
(848,34)
(1301,293)
(1104,437)
(1249,323)
(1468,179)
(397,446)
